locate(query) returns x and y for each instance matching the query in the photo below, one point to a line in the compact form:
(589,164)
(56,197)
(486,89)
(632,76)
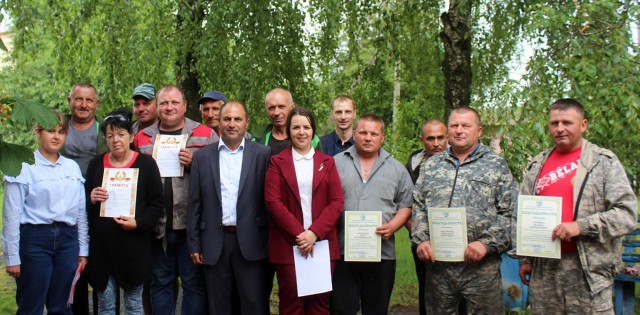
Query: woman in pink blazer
(304,198)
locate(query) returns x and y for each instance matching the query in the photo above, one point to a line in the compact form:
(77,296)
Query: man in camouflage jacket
(604,208)
(472,176)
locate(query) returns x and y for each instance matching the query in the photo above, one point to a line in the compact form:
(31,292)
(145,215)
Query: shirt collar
(39,158)
(222,145)
(297,156)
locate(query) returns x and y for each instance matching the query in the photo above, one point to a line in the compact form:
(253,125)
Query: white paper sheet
(313,274)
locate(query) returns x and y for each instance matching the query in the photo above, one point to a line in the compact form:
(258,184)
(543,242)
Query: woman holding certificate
(45,225)
(304,197)
(124,191)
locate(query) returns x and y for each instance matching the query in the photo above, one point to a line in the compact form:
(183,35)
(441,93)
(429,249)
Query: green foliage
(584,50)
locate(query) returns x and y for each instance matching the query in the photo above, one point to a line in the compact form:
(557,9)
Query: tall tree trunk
(396,100)
(189,29)
(456,65)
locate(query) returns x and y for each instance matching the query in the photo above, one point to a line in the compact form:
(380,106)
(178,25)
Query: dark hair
(566,104)
(244,107)
(301,111)
(118,119)
(372,118)
(63,122)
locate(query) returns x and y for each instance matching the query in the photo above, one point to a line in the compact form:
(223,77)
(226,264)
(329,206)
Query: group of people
(245,202)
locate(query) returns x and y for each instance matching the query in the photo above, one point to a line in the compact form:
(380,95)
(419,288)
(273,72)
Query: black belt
(229,228)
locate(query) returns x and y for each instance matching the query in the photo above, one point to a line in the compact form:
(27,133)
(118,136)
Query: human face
(146,110)
(118,141)
(278,108)
(343,114)
(464,131)
(566,128)
(301,133)
(233,125)
(83,104)
(51,141)
(368,137)
(434,138)
(171,109)
(211,113)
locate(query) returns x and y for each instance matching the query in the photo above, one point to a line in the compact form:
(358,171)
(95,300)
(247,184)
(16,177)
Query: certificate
(361,243)
(537,217)
(448,233)
(313,273)
(121,185)
(166,152)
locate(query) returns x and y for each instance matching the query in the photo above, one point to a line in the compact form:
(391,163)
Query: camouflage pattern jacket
(483,184)
(605,209)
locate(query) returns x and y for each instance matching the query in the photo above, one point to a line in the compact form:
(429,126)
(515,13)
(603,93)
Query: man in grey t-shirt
(83,139)
(372,180)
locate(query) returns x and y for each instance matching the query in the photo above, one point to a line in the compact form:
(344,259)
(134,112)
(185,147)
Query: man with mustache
(144,106)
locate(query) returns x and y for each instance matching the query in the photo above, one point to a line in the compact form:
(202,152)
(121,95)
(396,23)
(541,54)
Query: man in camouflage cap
(472,176)
(598,206)
(144,106)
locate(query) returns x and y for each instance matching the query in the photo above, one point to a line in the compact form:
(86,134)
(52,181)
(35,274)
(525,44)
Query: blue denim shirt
(43,193)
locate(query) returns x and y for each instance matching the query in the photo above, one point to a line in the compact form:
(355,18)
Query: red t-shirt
(107,164)
(556,179)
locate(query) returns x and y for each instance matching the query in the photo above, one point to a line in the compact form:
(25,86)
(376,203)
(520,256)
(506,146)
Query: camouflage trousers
(559,286)
(480,284)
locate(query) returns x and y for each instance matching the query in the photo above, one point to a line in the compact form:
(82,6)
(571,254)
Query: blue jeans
(107,299)
(48,262)
(167,266)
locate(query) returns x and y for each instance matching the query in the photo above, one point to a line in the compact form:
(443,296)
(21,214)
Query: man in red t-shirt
(598,206)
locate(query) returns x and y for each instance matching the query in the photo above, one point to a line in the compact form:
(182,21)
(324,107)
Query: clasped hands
(305,241)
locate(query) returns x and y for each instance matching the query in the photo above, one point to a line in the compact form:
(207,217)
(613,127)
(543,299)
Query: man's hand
(196,258)
(14,271)
(525,270)
(386,231)
(474,252)
(425,253)
(566,231)
(185,157)
(127,223)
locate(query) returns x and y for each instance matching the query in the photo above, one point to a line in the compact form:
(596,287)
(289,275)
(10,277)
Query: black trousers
(365,285)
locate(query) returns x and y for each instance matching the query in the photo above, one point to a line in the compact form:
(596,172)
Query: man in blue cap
(210,104)
(144,106)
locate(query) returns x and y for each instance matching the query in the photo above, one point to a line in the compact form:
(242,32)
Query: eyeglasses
(116,116)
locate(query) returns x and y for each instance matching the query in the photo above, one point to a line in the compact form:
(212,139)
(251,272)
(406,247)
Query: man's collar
(221,144)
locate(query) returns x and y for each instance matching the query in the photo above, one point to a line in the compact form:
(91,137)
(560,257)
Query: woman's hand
(14,271)
(127,223)
(99,194)
(305,242)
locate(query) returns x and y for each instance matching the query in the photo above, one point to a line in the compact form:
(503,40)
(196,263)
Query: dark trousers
(233,272)
(365,285)
(420,274)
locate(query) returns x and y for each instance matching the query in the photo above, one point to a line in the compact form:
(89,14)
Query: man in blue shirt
(343,113)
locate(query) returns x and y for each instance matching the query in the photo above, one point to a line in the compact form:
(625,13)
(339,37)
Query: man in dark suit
(227,219)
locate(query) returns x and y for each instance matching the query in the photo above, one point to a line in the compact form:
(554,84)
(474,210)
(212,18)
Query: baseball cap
(146,90)
(213,95)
